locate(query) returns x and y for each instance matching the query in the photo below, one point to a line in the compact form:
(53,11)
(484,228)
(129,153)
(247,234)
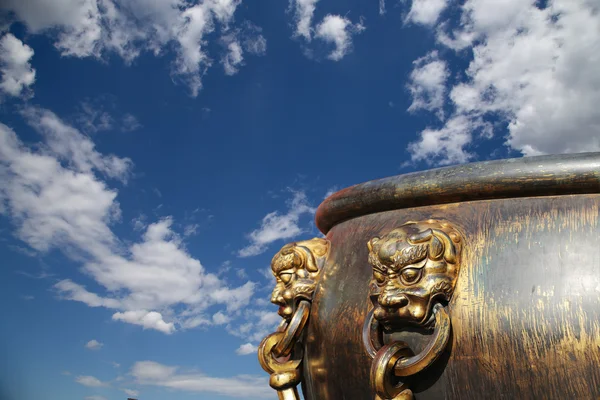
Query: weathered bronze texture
(523,318)
(296,268)
(415,268)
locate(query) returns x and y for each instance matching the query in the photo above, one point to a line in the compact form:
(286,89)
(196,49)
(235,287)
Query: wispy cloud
(154,374)
(90,381)
(276,226)
(94,345)
(57,197)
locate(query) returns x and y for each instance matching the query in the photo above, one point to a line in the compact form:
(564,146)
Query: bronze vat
(478,281)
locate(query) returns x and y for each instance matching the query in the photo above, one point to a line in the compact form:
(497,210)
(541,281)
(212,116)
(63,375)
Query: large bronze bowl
(479,281)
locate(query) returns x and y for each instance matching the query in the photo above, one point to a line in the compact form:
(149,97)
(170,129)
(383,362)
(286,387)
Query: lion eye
(286,277)
(410,275)
(379,277)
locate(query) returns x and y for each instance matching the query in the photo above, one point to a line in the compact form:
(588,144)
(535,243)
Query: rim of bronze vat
(516,177)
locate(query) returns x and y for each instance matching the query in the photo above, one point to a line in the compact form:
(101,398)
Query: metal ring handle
(267,360)
(372,335)
(293,330)
(384,382)
(411,365)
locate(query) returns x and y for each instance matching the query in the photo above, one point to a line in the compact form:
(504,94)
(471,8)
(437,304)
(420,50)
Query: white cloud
(153,373)
(257,325)
(94,345)
(93,118)
(233,57)
(220,318)
(130,123)
(17,73)
(533,74)
(446,145)
(304,11)
(427,84)
(98,28)
(382,7)
(147,319)
(426,12)
(255,44)
(247,39)
(90,381)
(95,397)
(67,143)
(131,392)
(338,30)
(333,29)
(276,226)
(56,199)
(246,348)
(190,230)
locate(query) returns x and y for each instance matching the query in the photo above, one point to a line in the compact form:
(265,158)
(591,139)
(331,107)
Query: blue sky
(155,155)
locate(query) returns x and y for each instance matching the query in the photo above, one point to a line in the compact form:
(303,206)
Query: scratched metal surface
(525,312)
(519,177)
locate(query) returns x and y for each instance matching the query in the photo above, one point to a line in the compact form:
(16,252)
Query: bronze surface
(525,313)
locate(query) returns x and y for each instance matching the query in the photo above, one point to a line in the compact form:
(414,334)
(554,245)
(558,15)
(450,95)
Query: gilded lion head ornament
(296,268)
(414,266)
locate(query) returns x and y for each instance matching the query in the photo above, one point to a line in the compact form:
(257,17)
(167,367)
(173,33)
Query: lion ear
(440,244)
(446,246)
(372,242)
(310,263)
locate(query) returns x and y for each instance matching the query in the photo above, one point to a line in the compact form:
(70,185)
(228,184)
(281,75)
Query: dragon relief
(296,268)
(414,267)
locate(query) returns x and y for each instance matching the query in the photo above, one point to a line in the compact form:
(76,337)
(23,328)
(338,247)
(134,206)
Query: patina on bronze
(479,281)
(415,268)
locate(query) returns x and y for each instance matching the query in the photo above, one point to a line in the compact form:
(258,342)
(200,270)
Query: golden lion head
(414,266)
(296,268)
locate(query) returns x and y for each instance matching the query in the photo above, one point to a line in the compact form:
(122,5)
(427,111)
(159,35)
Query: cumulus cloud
(56,197)
(427,84)
(94,345)
(532,79)
(15,67)
(276,226)
(303,15)
(246,348)
(147,319)
(172,377)
(333,29)
(338,30)
(90,381)
(426,12)
(98,28)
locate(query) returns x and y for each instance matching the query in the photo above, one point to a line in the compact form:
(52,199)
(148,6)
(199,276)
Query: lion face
(296,268)
(413,267)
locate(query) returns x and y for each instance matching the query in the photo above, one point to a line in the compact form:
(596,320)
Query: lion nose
(276,296)
(394,300)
